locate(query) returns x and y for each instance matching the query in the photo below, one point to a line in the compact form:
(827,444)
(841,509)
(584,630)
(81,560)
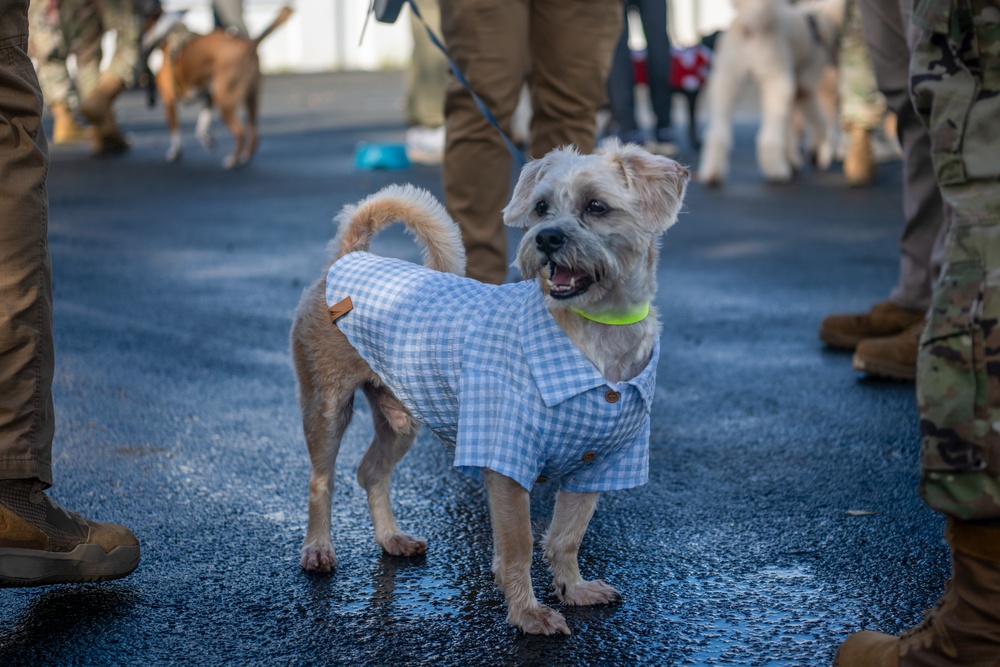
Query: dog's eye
(541,208)
(596,207)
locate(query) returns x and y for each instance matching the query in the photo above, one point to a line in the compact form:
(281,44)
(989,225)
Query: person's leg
(885,338)
(48,49)
(97,105)
(426,81)
(621,88)
(488,39)
(862,105)
(572,42)
(427,76)
(40,543)
(888,33)
(956,92)
(26,350)
(228,15)
(653,14)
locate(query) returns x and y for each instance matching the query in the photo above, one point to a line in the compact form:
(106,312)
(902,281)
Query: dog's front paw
(318,558)
(402,544)
(588,593)
(173,154)
(538,620)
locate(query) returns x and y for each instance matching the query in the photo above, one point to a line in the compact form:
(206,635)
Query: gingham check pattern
(489,371)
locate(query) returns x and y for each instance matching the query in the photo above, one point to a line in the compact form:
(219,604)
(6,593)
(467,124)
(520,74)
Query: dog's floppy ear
(658,181)
(515,214)
(516,211)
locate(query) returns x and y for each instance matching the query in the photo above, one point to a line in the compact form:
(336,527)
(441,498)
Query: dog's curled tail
(422,214)
(282,16)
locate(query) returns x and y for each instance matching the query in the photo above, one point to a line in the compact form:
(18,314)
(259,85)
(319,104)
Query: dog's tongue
(563,277)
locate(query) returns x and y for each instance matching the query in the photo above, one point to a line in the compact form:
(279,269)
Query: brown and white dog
(220,66)
(592,229)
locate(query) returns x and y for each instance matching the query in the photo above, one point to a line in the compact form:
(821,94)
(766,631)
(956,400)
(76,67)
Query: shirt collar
(560,370)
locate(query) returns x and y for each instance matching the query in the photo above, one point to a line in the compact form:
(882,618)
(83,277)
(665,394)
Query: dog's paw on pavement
(404,545)
(539,620)
(318,558)
(589,593)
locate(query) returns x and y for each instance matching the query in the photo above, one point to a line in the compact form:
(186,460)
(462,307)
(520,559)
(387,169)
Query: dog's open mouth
(565,283)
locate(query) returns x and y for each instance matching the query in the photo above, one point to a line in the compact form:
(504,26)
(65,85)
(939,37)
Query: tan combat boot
(884,319)
(65,129)
(41,543)
(859,163)
(963,630)
(107,138)
(893,357)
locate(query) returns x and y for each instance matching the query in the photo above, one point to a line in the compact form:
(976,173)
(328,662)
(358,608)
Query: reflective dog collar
(617,317)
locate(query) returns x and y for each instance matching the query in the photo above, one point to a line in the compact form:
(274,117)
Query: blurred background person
(621,81)
(426,80)
(49,49)
(885,338)
(862,106)
(228,15)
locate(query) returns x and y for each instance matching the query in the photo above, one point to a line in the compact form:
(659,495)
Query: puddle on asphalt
(728,619)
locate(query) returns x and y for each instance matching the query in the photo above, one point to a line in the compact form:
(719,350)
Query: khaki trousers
(26,352)
(562,50)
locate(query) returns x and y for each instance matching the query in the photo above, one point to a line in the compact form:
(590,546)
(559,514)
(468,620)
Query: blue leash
(512,148)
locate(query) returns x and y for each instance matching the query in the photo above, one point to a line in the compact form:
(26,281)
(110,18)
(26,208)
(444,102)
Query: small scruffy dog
(549,378)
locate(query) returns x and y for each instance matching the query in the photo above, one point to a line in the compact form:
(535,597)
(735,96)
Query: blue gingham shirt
(488,370)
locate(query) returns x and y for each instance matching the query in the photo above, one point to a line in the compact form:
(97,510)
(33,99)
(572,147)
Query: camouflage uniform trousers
(955,85)
(861,103)
(59,28)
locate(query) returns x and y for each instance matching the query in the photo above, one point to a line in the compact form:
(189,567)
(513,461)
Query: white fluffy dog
(785,49)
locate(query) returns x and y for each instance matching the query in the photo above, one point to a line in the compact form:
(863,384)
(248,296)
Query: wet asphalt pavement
(174,291)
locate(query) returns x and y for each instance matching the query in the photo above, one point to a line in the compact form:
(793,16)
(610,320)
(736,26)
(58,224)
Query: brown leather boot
(65,129)
(41,543)
(893,357)
(963,629)
(884,319)
(107,138)
(859,163)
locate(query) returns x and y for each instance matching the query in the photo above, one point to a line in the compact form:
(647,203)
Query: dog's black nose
(550,239)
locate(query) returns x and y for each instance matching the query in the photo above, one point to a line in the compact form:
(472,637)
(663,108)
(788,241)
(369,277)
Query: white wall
(324,34)
(321,34)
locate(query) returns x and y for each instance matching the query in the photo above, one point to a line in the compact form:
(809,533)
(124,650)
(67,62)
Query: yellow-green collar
(617,317)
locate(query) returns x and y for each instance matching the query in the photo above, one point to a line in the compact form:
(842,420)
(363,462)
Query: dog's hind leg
(724,86)
(395,431)
(510,514)
(325,416)
(252,103)
(822,136)
(777,97)
(203,127)
(170,106)
(562,545)
(232,119)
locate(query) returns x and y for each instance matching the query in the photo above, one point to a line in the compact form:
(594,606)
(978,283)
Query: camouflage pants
(955,84)
(861,103)
(58,29)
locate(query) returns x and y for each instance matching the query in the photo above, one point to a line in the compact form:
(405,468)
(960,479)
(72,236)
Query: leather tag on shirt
(340,309)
